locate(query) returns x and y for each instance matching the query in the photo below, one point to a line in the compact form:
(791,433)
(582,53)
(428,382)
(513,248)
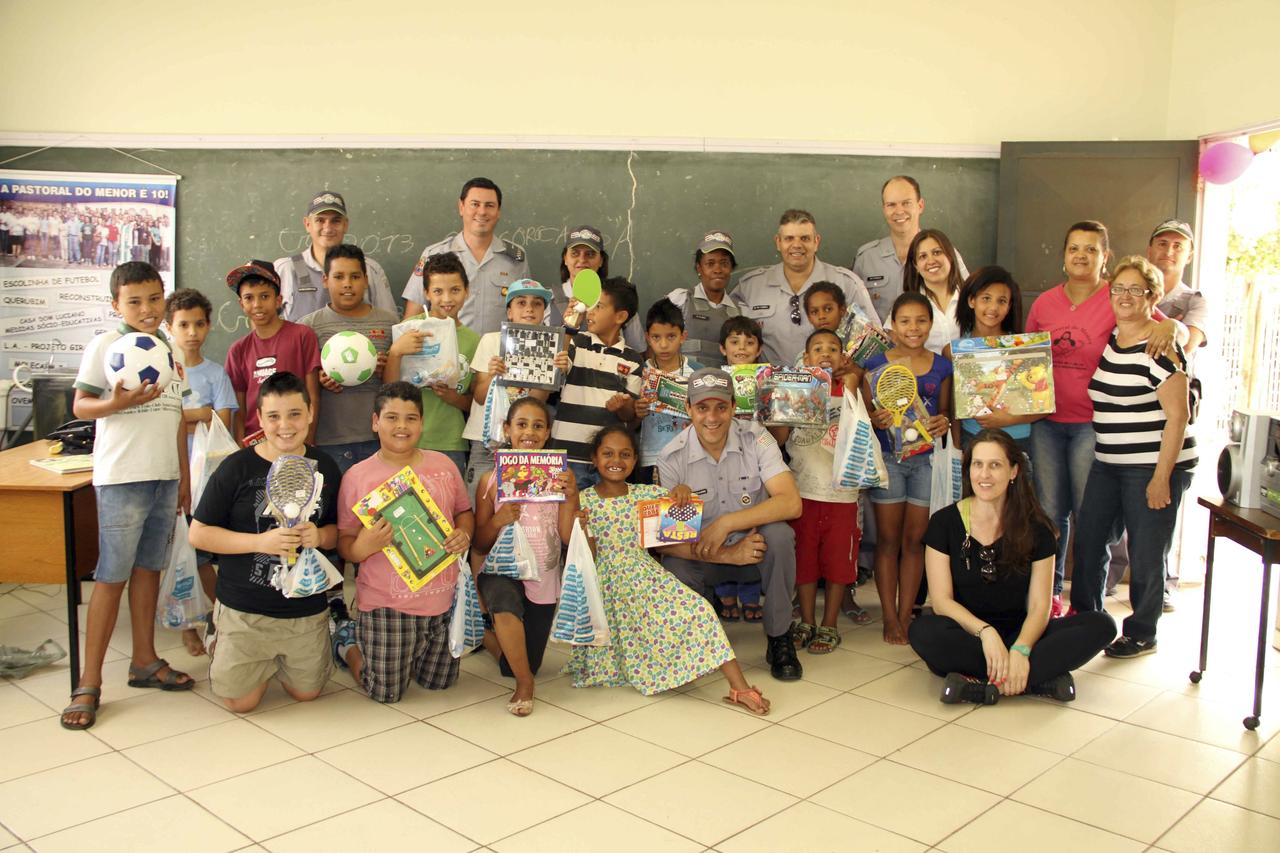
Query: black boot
(782,660)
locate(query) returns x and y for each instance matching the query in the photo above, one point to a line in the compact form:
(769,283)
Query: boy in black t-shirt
(260,632)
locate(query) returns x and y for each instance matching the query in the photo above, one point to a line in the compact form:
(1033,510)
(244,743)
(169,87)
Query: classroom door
(1045,186)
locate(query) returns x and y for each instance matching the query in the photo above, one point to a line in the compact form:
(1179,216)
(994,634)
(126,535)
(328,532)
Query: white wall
(929,71)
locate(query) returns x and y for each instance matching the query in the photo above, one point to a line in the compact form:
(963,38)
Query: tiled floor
(860,755)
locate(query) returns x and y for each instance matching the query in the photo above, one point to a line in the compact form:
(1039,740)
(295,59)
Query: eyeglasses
(795,310)
(987,554)
(1134,290)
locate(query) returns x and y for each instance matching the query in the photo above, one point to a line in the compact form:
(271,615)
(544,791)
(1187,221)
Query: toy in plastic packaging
(527,476)
(466,623)
(743,377)
(793,396)
(664,522)
(182,602)
(894,388)
(666,392)
(418,527)
(529,353)
(857,460)
(579,618)
(512,556)
(1005,373)
(311,574)
(436,362)
(496,405)
(212,444)
(862,338)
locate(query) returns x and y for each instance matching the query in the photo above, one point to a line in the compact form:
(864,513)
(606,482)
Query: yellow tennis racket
(896,391)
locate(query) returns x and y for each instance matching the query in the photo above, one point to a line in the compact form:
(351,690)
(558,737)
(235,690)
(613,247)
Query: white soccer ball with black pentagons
(137,358)
(349,358)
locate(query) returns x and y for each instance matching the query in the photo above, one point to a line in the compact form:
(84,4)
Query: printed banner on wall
(61,234)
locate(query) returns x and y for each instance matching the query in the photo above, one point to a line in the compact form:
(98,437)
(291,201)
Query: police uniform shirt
(878,266)
(749,460)
(703,320)
(1188,307)
(764,296)
(486,307)
(308,295)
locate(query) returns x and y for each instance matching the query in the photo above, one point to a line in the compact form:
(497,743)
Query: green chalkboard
(652,206)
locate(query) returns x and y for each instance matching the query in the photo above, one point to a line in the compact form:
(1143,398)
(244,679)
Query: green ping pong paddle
(586,288)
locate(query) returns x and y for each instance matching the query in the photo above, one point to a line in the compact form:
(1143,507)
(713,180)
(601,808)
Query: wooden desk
(51,530)
(1260,533)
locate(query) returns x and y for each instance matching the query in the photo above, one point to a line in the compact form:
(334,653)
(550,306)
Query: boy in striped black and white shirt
(604,379)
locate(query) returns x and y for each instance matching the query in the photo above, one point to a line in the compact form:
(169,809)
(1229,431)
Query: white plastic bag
(436,363)
(579,618)
(512,556)
(311,574)
(212,444)
(858,463)
(496,405)
(182,602)
(948,476)
(466,623)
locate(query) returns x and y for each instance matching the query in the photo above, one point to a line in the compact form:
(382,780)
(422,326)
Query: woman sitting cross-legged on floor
(989,559)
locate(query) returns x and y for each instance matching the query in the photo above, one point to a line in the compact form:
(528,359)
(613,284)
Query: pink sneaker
(1057,608)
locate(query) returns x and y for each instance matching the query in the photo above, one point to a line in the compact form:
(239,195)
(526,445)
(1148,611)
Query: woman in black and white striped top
(1143,459)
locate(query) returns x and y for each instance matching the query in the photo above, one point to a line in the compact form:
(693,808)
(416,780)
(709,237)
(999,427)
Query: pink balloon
(1224,162)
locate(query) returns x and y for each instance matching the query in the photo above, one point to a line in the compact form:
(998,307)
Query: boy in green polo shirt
(444,407)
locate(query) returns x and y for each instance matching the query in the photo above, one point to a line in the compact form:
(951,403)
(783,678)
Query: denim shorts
(135,523)
(910,480)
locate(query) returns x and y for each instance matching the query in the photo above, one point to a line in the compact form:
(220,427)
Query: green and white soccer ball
(349,358)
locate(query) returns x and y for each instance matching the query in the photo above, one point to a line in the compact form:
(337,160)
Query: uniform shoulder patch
(866,247)
(515,251)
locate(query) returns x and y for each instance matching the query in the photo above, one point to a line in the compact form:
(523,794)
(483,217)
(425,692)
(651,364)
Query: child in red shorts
(827,533)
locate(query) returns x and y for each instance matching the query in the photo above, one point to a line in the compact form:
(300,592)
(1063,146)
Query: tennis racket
(292,492)
(896,391)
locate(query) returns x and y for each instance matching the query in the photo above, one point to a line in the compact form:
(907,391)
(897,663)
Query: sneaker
(1057,607)
(961,688)
(1168,606)
(780,654)
(1062,688)
(1128,647)
(343,638)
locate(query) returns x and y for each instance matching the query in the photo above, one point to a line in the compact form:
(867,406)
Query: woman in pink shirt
(1078,316)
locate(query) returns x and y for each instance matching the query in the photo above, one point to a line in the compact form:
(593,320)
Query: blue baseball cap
(528,287)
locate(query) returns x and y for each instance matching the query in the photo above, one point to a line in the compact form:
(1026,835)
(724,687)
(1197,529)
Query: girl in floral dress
(663,633)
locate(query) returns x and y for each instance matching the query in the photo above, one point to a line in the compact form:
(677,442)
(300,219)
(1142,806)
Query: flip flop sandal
(752,613)
(145,676)
(89,708)
(824,641)
(802,634)
(756,703)
(520,707)
(728,609)
(857,614)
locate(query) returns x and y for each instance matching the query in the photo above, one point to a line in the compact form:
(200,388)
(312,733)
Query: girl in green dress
(664,634)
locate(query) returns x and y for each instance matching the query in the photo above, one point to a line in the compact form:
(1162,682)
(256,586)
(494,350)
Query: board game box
(664,523)
(419,528)
(529,353)
(1009,373)
(525,476)
(666,392)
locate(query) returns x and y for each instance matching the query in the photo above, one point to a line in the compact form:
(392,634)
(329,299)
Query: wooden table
(1260,533)
(51,530)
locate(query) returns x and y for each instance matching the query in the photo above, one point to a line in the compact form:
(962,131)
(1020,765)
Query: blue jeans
(1115,500)
(346,455)
(1062,455)
(585,473)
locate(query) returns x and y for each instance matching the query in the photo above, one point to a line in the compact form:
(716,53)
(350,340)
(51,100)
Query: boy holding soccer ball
(140,476)
(343,429)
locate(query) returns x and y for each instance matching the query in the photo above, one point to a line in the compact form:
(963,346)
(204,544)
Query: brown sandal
(756,703)
(145,676)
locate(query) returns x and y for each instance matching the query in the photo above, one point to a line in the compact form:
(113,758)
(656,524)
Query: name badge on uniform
(875,278)
(307,289)
(761,307)
(698,491)
(701,317)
